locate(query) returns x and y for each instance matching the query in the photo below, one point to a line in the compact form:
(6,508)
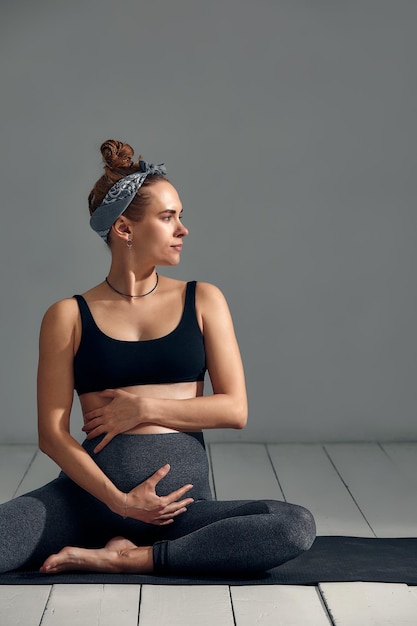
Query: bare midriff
(174,391)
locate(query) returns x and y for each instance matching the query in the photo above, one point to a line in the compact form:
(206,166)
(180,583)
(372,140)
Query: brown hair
(118,163)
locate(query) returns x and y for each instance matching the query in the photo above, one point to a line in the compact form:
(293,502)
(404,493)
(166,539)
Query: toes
(64,559)
(48,564)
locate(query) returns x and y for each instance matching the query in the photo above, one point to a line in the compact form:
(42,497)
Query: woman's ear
(121,228)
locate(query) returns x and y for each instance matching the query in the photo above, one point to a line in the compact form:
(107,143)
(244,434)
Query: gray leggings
(211,537)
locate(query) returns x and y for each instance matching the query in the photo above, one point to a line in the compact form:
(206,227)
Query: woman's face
(157,238)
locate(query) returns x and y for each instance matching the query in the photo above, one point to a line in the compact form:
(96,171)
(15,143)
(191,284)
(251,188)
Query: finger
(168,510)
(96,432)
(103,443)
(166,516)
(179,504)
(176,495)
(90,415)
(173,509)
(158,475)
(90,423)
(169,517)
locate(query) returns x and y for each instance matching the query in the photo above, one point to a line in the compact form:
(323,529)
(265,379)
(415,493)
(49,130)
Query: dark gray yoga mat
(330,559)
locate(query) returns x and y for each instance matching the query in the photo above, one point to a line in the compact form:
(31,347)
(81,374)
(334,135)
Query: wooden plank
(41,471)
(14,462)
(404,456)
(101,605)
(369,604)
(307,477)
(23,605)
(119,605)
(73,605)
(386,497)
(243,471)
(278,605)
(175,605)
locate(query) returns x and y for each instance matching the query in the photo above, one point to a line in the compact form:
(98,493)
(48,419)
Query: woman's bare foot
(118,555)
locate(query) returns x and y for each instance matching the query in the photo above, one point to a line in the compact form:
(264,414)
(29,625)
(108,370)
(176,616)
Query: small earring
(129,243)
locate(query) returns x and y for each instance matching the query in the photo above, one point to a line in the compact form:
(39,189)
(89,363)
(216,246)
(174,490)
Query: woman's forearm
(204,412)
(76,463)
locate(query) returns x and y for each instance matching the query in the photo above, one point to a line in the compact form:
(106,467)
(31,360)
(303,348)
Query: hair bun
(116,154)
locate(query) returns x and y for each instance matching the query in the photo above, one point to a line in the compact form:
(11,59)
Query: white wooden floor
(352,489)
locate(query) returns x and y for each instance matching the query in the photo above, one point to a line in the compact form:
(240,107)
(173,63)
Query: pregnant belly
(130,459)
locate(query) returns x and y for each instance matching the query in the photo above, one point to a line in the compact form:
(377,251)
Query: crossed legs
(222,537)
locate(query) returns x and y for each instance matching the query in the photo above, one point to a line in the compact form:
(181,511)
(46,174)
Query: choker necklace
(127,295)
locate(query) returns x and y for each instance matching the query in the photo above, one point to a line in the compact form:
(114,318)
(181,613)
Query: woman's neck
(132,283)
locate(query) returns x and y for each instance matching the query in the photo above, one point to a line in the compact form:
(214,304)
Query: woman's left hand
(121,414)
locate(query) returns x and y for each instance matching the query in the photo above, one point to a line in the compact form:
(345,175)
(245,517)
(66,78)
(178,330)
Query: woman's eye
(168,218)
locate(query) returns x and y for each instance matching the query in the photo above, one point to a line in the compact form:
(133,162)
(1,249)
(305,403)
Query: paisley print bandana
(118,197)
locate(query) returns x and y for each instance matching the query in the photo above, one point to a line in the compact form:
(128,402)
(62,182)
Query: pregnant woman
(135,496)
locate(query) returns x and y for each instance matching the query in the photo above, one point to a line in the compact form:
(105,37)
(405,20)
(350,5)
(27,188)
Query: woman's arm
(55,397)
(226,408)
(57,345)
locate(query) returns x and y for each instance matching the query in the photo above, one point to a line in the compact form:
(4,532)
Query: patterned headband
(118,197)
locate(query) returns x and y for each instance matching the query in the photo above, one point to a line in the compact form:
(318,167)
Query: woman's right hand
(143,503)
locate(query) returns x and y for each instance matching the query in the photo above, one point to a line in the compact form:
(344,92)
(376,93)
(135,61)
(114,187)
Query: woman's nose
(182,230)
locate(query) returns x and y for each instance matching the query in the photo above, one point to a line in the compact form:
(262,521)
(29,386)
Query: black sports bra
(102,362)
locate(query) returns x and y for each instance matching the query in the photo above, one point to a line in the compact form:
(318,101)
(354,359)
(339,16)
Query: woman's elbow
(44,443)
(241,422)
(47,442)
(240,415)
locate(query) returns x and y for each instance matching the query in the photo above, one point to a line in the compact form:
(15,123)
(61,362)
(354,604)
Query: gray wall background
(289,130)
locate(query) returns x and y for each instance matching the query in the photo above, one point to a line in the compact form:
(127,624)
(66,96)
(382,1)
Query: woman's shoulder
(62,314)
(210,304)
(208,292)
(66,306)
